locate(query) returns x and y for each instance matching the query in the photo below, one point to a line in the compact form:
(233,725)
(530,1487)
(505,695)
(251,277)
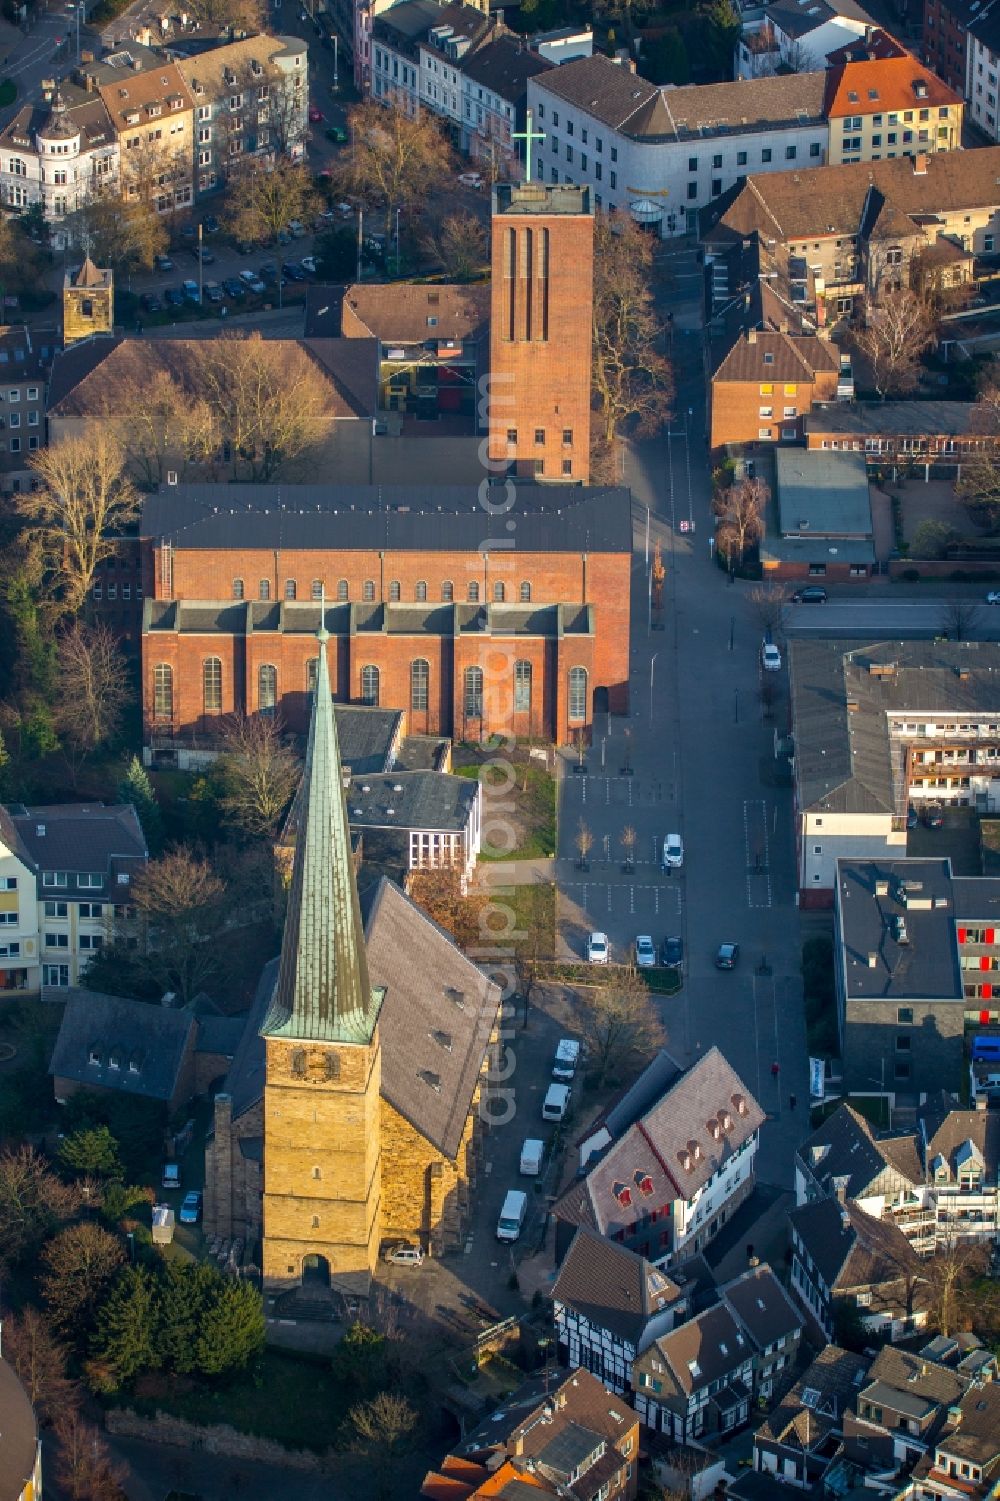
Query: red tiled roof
(866,88)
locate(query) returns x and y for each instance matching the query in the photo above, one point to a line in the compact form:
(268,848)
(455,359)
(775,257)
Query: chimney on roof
(751,336)
(852,706)
(872,960)
(920,161)
(840,1189)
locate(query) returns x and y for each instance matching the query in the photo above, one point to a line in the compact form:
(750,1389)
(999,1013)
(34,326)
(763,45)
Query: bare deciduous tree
(949,1275)
(263,197)
(769,601)
(260,772)
(631,376)
(898,326)
(79,1265)
(394,162)
(381,1428)
(740,513)
(127,235)
(978,486)
(171,427)
(84,501)
(959,618)
(460,245)
(270,403)
(33,1201)
(84,1468)
(620,1025)
(180,900)
(628,844)
(40,1362)
(584,842)
(91,686)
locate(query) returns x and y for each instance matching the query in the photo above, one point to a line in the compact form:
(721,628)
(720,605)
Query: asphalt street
(701,753)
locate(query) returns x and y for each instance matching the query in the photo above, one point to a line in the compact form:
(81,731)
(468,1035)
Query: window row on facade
(317,590)
(420,672)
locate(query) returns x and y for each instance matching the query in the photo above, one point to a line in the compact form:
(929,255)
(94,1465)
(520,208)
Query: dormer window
(644,1184)
(623,1194)
(95,1056)
(135,1063)
(115,1058)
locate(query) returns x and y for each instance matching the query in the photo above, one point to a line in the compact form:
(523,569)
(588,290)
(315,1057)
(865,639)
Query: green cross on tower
(528,135)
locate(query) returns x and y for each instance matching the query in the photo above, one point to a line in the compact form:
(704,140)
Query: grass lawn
(535,913)
(292,1400)
(528,804)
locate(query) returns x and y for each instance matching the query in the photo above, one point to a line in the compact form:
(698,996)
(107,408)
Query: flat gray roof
(824,494)
(873,897)
(429,800)
(882,418)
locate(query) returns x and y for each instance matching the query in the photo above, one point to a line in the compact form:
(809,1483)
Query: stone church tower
(88,303)
(322,1209)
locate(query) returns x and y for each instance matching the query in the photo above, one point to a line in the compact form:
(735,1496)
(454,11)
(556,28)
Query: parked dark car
(207,256)
(911,817)
(151,302)
(210,224)
(672,952)
(812,594)
(269,273)
(213,292)
(173,297)
(233,287)
(293,271)
(934,816)
(727,955)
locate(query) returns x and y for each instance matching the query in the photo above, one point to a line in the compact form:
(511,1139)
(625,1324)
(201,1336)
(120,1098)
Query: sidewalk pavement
(516,872)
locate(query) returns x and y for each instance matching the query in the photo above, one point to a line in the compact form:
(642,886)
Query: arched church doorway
(315,1271)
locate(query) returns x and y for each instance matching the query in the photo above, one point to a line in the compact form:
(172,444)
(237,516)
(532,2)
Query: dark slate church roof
(538,518)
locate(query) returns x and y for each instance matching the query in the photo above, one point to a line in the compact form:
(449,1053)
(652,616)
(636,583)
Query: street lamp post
(652,669)
(397,242)
(336,83)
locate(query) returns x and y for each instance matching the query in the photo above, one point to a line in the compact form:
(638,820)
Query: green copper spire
(323,993)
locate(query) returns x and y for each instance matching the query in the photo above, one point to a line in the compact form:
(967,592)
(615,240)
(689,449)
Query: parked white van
(556,1102)
(515,1207)
(566,1059)
(532,1153)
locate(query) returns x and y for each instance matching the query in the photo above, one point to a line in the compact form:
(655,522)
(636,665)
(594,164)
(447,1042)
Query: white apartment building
(65,871)
(57,153)
(880,729)
(800,35)
(982,62)
(415,54)
(663,154)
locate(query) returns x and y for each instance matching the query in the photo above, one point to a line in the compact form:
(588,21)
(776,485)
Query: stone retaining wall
(217,1438)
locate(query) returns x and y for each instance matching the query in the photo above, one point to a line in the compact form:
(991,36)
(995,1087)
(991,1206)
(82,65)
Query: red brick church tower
(540,330)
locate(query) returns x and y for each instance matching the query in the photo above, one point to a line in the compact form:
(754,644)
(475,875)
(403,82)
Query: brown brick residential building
(944,42)
(540,333)
(766,384)
(351,1112)
(431,609)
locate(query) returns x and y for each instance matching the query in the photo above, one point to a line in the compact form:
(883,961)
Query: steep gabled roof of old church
(323,993)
